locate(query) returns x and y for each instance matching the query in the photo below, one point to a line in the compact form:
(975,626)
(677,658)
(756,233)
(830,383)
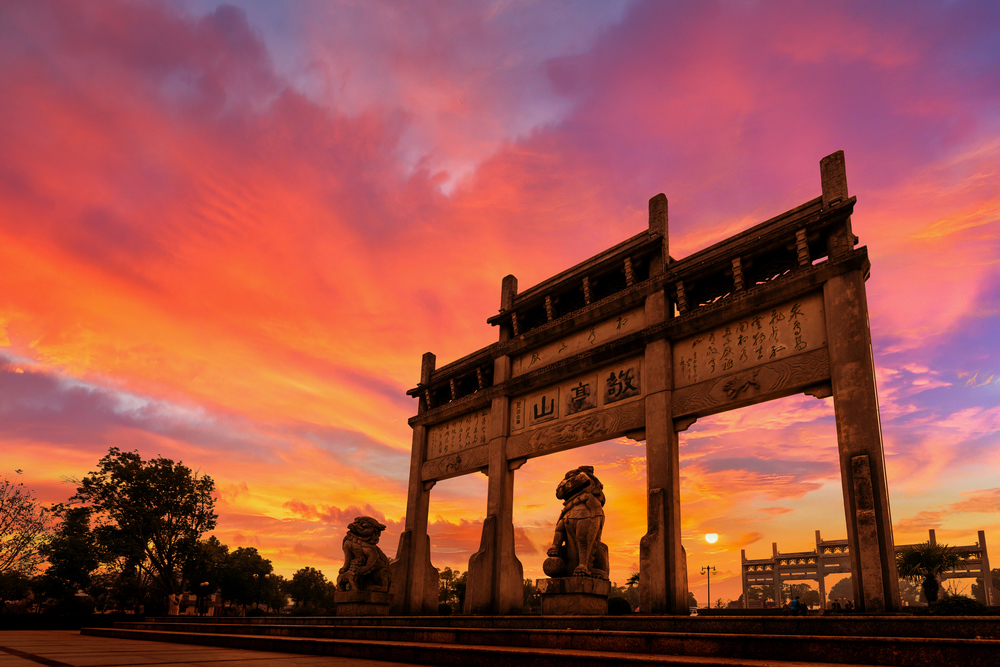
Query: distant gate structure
(833,557)
(635,343)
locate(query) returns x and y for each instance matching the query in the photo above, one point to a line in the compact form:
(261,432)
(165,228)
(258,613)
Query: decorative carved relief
(775,378)
(469,460)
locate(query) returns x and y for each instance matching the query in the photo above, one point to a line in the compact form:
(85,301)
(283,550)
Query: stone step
(897,651)
(965,627)
(447,654)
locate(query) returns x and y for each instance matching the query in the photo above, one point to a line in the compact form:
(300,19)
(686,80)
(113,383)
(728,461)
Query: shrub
(957,605)
(619,606)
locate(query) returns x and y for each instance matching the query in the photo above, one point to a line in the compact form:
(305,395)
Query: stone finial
(427,364)
(658,225)
(508,290)
(365,566)
(833,174)
(577,549)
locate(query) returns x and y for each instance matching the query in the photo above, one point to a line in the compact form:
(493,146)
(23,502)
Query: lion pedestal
(574,596)
(363,582)
(362,603)
(578,560)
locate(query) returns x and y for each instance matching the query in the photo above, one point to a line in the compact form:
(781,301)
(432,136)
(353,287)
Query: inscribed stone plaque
(776,333)
(614,383)
(458,434)
(608,330)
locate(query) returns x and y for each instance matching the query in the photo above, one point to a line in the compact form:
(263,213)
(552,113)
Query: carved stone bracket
(459,463)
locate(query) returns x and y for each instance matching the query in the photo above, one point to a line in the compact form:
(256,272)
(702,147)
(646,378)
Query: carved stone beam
(479,378)
(453,388)
(586,290)
(513,323)
(549,312)
(629,275)
(738,274)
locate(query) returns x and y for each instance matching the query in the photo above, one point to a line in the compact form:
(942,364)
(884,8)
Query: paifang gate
(635,343)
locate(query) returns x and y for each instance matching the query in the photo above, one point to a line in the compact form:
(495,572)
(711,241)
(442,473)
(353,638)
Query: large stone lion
(577,549)
(365,566)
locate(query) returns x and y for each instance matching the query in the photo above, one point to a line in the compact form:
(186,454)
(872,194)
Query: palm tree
(925,563)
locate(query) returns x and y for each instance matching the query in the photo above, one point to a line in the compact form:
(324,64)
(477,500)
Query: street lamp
(709,570)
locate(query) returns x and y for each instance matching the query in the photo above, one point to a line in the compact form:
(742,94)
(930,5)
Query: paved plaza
(68,648)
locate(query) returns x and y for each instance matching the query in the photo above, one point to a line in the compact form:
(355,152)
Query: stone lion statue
(577,549)
(365,566)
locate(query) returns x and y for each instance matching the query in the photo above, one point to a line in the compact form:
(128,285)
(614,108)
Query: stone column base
(362,603)
(574,596)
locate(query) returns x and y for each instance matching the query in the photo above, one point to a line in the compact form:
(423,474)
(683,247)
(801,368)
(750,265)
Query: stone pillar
(414,580)
(662,564)
(987,574)
(820,572)
(743,578)
(775,574)
(496,578)
(859,436)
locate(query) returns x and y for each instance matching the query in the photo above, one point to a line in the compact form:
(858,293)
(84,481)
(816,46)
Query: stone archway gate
(635,343)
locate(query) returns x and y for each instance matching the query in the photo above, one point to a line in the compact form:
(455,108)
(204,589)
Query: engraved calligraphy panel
(579,430)
(776,333)
(614,383)
(458,434)
(608,330)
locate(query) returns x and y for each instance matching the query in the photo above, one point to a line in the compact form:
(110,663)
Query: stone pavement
(68,648)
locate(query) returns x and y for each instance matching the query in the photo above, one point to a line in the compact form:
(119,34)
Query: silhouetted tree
(23,527)
(307,587)
(148,514)
(72,554)
(243,575)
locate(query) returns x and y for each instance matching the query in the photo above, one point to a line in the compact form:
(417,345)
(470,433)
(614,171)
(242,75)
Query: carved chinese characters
(603,332)
(769,335)
(612,384)
(458,434)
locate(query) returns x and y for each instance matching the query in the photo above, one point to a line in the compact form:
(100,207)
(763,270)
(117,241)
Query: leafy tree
(71,552)
(451,588)
(307,587)
(23,527)
(203,570)
(911,593)
(692,601)
(842,590)
(14,585)
(633,580)
(273,593)
(807,595)
(148,514)
(243,575)
(925,563)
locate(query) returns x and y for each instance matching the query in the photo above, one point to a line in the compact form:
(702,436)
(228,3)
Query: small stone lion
(577,549)
(365,566)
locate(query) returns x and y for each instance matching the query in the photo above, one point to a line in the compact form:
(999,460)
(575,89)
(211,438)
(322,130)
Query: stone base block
(574,596)
(362,603)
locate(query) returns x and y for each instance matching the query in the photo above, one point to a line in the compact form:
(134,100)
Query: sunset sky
(228,232)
